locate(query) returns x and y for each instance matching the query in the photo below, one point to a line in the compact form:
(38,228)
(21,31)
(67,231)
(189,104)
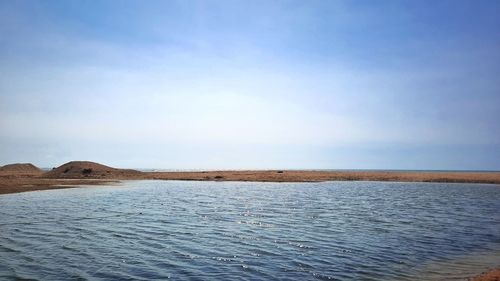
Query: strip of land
(319,176)
(27,177)
(23,184)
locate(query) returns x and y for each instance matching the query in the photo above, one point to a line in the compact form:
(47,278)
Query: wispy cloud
(278,85)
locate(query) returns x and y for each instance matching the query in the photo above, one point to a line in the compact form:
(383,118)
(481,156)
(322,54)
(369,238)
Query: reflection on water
(221,230)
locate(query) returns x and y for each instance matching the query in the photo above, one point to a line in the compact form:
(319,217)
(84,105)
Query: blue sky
(251,84)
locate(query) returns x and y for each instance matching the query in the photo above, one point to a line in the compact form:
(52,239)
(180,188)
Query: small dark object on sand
(86,171)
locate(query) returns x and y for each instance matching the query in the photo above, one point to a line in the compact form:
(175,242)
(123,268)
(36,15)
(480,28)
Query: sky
(251,84)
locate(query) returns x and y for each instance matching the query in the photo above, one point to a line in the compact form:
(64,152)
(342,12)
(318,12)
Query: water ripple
(160,230)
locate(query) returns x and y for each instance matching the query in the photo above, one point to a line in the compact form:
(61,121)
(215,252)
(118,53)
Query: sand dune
(27,177)
(92,170)
(18,169)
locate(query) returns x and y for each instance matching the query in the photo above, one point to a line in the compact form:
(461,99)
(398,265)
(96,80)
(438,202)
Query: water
(154,230)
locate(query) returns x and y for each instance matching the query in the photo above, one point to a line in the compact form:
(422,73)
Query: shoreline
(492,275)
(14,183)
(321,176)
(26,184)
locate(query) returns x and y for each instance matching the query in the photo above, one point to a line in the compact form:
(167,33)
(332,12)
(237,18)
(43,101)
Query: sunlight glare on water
(148,230)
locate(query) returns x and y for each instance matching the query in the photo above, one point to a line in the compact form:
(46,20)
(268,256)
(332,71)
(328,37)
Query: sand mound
(86,169)
(20,169)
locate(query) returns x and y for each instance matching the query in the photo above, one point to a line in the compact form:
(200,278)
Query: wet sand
(493,275)
(23,184)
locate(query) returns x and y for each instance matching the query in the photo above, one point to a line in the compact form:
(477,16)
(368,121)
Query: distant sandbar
(26,177)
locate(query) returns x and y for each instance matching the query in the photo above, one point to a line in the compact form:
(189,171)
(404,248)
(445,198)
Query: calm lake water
(154,230)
